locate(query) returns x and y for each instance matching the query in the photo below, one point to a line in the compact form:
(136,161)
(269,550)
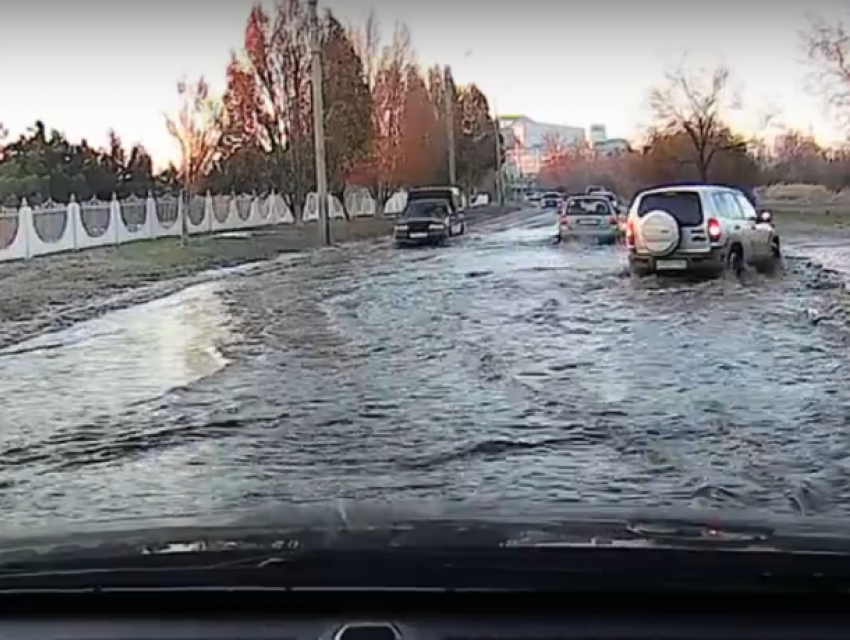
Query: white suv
(704,228)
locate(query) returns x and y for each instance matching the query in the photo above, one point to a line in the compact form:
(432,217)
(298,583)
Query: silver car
(588,218)
(705,228)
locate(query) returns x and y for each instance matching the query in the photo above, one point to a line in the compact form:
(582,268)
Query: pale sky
(84,66)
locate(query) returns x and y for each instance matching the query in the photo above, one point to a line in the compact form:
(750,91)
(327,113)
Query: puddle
(122,358)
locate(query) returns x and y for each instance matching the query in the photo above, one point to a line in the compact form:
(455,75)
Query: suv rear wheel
(735,261)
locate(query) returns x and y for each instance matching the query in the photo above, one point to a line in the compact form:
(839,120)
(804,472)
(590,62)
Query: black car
(431,216)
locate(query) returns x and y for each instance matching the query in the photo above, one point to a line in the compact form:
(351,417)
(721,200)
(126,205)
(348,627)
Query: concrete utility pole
(500,176)
(450,125)
(319,121)
(188,188)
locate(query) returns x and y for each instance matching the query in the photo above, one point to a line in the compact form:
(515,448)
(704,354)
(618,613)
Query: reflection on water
(100,367)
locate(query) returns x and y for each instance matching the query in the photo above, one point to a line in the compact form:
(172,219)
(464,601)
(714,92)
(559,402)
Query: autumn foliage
(385,117)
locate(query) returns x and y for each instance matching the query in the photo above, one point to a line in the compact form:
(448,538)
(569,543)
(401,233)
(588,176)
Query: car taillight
(612,220)
(565,220)
(630,233)
(714,230)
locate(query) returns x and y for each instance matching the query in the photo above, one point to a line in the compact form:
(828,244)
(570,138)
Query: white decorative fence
(28,232)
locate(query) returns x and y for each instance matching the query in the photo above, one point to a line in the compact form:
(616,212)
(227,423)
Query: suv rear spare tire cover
(660,233)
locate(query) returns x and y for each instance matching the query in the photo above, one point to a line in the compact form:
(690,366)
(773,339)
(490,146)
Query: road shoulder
(52,292)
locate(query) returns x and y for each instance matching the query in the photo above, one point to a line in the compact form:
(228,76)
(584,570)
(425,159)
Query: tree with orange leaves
(554,149)
(381,171)
(476,142)
(419,129)
(244,163)
(385,126)
(268,98)
(435,82)
(568,166)
(197,129)
(348,115)
(366,40)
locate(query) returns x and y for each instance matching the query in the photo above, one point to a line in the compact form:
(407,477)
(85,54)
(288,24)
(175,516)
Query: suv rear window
(685,206)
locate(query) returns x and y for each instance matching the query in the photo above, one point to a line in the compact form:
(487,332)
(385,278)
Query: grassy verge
(810,218)
(35,290)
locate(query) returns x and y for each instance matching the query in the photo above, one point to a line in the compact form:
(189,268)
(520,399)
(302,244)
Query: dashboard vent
(368,631)
(499,637)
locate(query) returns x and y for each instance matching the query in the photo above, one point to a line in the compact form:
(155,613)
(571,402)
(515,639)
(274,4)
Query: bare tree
(367,43)
(695,105)
(197,128)
(4,133)
(828,48)
(553,146)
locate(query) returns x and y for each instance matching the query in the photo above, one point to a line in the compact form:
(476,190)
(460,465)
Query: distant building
(612,145)
(598,134)
(533,134)
(526,140)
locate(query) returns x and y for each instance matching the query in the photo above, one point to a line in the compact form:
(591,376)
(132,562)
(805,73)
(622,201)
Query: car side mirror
(765,216)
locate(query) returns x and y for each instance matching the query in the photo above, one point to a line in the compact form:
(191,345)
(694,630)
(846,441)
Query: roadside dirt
(54,291)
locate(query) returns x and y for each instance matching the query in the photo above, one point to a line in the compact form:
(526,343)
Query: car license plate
(671,265)
(418,234)
(589,223)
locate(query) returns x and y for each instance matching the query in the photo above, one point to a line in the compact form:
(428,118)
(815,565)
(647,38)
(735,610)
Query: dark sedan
(424,222)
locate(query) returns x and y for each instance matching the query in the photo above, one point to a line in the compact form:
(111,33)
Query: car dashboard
(431,628)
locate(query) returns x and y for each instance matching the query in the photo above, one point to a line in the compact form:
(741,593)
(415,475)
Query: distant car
(551,200)
(431,216)
(588,218)
(705,228)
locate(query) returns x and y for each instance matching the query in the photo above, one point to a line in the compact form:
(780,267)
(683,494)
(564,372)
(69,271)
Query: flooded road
(502,368)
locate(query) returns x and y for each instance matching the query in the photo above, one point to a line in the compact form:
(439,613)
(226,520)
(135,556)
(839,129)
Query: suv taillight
(630,233)
(714,230)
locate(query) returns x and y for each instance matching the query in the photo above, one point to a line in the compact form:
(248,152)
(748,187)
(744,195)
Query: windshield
(426,209)
(227,291)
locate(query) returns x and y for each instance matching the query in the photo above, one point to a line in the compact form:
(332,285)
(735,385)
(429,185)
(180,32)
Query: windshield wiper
(690,533)
(515,569)
(445,554)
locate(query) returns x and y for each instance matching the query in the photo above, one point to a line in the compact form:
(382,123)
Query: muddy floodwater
(500,368)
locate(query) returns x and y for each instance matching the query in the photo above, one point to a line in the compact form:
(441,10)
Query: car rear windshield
(430,194)
(685,206)
(426,209)
(588,207)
